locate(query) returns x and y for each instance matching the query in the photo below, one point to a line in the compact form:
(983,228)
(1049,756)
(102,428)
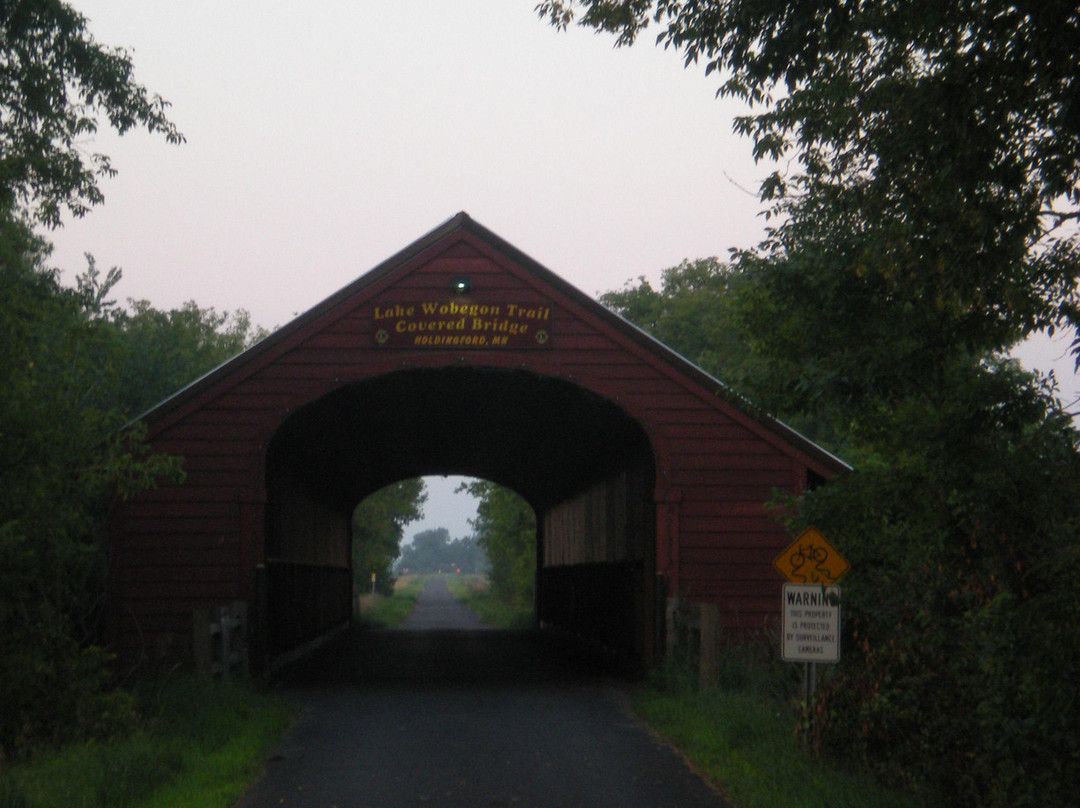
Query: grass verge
(742,740)
(200,744)
(474,592)
(380,611)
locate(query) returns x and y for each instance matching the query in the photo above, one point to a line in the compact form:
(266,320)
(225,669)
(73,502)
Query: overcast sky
(324,136)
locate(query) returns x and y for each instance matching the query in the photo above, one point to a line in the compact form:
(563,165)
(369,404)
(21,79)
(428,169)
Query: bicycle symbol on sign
(810,559)
(808,565)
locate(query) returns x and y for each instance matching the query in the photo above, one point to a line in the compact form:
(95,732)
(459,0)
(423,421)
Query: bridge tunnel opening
(580,461)
(477,535)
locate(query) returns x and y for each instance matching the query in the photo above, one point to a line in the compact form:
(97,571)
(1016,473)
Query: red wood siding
(181,548)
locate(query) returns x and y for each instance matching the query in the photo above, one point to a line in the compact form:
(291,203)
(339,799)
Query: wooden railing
(299,602)
(601,603)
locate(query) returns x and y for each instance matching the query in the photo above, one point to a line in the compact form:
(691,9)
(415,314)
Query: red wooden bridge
(458,355)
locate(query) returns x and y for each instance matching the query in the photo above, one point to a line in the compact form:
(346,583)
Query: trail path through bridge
(431,716)
(437,609)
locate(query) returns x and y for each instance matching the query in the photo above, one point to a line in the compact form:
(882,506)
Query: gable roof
(463,223)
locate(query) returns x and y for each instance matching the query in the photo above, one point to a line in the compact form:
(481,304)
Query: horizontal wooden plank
(619,366)
(192,491)
(219,470)
(189,525)
(734,579)
(771,467)
(166,509)
(745,446)
(696,485)
(201,590)
(330,368)
(720,508)
(185,555)
(170,574)
(736,558)
(263,407)
(717,426)
(225,547)
(191,445)
(763,480)
(305,384)
(748,529)
(243,428)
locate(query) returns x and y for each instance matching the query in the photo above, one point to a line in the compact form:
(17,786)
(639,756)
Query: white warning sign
(811,623)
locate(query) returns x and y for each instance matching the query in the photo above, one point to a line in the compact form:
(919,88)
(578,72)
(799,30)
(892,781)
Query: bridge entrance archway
(462,355)
(554,443)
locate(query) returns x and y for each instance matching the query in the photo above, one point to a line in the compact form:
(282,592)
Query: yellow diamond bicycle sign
(810,559)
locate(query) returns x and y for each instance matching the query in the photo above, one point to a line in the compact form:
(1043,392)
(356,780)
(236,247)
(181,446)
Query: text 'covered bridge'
(460,355)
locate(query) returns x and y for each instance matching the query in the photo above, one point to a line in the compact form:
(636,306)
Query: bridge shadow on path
(361,656)
(443,641)
(466,719)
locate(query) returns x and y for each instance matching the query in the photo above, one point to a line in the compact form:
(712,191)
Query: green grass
(200,744)
(473,591)
(380,611)
(742,739)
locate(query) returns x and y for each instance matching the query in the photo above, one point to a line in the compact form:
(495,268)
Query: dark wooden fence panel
(601,603)
(303,602)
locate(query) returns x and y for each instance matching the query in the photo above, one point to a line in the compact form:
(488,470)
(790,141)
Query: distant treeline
(433,551)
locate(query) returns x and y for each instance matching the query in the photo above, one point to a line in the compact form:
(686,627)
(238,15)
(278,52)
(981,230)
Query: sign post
(810,603)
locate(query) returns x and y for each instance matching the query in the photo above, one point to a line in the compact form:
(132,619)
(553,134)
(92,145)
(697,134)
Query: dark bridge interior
(582,462)
(545,438)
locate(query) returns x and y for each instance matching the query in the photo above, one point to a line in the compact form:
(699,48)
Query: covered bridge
(458,355)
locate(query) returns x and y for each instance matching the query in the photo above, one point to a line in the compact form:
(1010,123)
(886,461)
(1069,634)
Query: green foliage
(163,351)
(740,736)
(475,592)
(76,367)
(59,463)
(505,526)
(56,85)
(961,523)
(693,313)
(923,223)
(432,551)
(377,524)
(199,742)
(66,355)
(386,611)
(930,151)
(960,615)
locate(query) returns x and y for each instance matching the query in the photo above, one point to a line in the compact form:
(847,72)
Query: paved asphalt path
(436,716)
(437,609)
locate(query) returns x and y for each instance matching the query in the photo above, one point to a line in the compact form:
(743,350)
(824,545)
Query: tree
(961,522)
(702,311)
(62,456)
(961,526)
(378,523)
(76,368)
(56,84)
(923,220)
(61,459)
(939,141)
(691,313)
(505,526)
(433,551)
(165,350)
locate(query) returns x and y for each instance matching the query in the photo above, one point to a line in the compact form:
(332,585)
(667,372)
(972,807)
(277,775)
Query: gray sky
(444,508)
(325,136)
